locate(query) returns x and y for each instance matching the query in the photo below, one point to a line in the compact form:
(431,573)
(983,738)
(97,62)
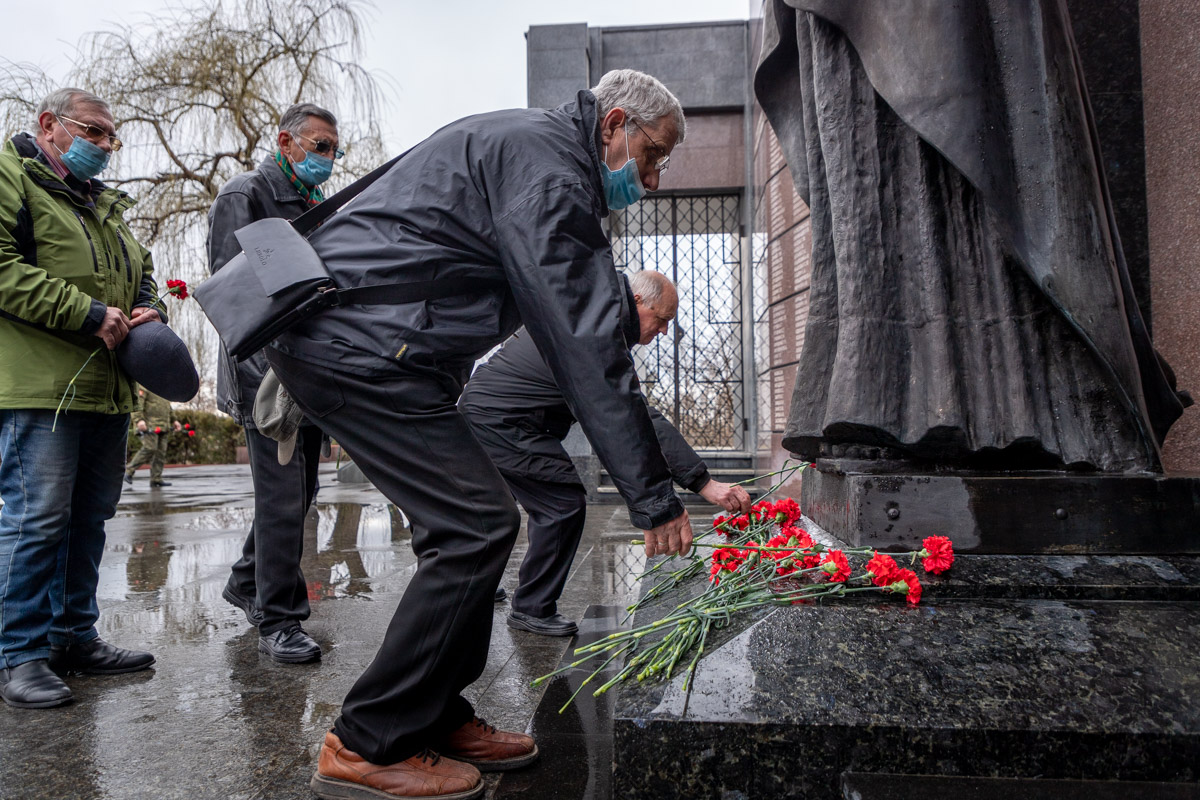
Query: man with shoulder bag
(267,582)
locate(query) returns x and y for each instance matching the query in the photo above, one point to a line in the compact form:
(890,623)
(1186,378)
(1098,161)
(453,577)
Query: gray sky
(437,60)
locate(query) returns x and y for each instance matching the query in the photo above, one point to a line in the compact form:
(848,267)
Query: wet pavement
(214,718)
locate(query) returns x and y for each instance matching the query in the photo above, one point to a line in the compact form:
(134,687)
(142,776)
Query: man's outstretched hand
(673,538)
(732,498)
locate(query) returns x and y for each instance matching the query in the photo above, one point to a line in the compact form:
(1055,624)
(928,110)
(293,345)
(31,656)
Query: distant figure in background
(153,420)
(73,282)
(520,416)
(267,583)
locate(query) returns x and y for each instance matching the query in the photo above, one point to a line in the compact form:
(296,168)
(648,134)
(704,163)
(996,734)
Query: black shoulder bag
(278,279)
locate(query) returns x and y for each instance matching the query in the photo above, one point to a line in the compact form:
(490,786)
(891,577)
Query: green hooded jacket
(63,260)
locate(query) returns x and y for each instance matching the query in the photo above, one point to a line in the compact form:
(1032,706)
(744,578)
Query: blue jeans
(58,487)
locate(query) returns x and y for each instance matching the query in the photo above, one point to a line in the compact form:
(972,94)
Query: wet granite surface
(1065,667)
(863,786)
(214,718)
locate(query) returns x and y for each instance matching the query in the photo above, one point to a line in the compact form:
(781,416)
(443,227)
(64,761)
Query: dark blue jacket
(261,193)
(520,416)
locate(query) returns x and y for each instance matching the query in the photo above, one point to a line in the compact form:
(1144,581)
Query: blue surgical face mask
(84,159)
(313,170)
(623,187)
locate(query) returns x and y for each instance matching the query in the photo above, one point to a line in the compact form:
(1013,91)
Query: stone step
(869,786)
(1034,689)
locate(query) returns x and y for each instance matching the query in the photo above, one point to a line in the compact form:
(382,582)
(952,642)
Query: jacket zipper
(125,253)
(91,244)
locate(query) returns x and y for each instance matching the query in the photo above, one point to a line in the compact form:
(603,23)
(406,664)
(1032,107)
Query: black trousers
(407,436)
(269,568)
(556,512)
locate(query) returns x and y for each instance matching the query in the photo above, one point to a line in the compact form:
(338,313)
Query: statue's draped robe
(970,302)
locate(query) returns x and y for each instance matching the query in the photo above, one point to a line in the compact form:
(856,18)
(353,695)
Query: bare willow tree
(197,93)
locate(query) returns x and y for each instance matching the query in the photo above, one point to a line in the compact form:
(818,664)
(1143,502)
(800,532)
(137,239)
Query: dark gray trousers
(269,568)
(556,512)
(405,433)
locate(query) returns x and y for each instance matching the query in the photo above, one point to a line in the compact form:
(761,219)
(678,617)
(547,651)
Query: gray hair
(64,101)
(295,119)
(648,285)
(643,97)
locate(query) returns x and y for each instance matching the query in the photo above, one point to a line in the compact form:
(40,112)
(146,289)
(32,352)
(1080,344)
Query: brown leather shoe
(345,775)
(488,749)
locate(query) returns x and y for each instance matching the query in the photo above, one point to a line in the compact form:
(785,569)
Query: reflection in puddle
(163,572)
(175,564)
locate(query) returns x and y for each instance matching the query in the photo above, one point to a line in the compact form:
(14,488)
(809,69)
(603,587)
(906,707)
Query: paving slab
(216,719)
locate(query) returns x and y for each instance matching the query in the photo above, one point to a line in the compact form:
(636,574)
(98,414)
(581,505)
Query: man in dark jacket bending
(506,208)
(520,417)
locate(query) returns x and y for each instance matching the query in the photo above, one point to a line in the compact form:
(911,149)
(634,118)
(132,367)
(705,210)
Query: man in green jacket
(153,420)
(73,281)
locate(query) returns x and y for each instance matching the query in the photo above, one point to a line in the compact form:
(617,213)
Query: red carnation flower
(787,510)
(836,565)
(882,569)
(191,433)
(938,554)
(158,430)
(177,288)
(906,581)
(726,559)
(798,536)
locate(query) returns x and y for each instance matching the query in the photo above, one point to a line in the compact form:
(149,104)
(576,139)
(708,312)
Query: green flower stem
(588,679)
(71,389)
(572,665)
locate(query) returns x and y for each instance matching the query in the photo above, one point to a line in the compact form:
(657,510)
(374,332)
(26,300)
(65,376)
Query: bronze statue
(970,304)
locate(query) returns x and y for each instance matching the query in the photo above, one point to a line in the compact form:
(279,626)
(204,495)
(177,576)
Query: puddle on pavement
(164,569)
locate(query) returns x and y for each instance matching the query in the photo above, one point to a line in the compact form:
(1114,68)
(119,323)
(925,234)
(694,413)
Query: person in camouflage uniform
(153,418)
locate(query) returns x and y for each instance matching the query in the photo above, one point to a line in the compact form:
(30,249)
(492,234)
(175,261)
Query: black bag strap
(399,293)
(321,211)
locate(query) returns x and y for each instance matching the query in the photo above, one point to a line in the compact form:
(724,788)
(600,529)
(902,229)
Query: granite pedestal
(1017,676)
(1036,512)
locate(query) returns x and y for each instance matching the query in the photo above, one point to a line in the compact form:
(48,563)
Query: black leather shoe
(290,646)
(235,598)
(129,479)
(501,595)
(553,625)
(97,657)
(33,685)
(160,483)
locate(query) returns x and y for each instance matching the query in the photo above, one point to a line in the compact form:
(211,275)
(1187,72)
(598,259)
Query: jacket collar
(281,188)
(582,111)
(631,325)
(26,148)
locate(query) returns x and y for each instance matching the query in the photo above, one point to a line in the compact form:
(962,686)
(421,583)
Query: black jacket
(520,417)
(513,198)
(258,194)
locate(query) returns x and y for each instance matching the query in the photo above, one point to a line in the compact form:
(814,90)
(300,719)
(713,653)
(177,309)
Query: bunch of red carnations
(761,558)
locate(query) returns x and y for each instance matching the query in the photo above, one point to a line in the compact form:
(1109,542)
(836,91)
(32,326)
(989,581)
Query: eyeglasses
(322,146)
(661,163)
(94,132)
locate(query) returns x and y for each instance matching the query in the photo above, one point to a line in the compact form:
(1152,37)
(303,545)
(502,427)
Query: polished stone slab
(981,687)
(1064,513)
(863,786)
